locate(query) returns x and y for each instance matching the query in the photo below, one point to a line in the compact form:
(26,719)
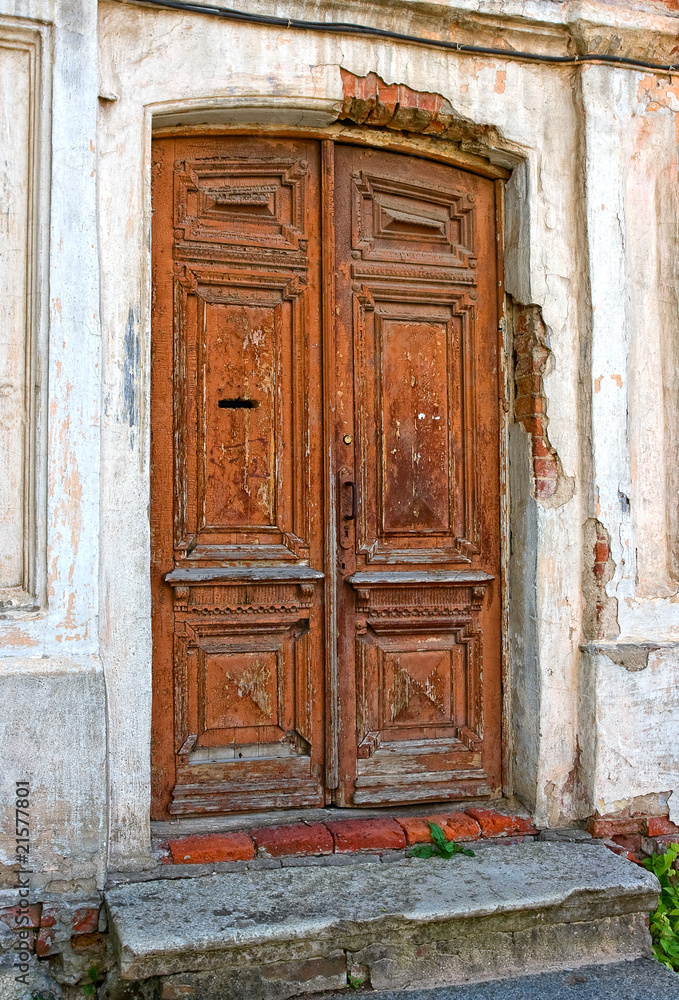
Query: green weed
(441,848)
(664,923)
(90,989)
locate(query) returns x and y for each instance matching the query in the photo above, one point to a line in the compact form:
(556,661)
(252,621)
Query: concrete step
(271,935)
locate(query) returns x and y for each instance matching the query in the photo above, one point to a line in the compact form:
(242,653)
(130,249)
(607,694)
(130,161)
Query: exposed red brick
(545,488)
(630,843)
(416,828)
(662,843)
(527,406)
(545,468)
(210,847)
(48,917)
(540,449)
(609,826)
(300,838)
(44,941)
(534,425)
(86,921)
(530,406)
(616,848)
(87,942)
(456,826)
(367,835)
(369,100)
(385,105)
(528,384)
(601,551)
(30,917)
(460,826)
(497,824)
(659,826)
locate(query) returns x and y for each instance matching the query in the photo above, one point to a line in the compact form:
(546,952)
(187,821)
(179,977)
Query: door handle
(351,516)
(347,514)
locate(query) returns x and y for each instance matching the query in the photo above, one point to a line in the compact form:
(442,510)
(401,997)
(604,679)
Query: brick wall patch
(532,356)
(600,617)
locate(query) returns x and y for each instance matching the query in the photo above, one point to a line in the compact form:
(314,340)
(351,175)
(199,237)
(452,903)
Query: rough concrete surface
(505,910)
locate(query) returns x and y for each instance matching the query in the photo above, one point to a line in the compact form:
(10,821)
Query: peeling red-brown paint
(500,78)
(658,92)
(18,637)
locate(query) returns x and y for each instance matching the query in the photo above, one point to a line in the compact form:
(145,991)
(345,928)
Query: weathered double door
(325,477)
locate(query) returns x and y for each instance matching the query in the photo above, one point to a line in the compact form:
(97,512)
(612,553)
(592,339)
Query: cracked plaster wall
(591,242)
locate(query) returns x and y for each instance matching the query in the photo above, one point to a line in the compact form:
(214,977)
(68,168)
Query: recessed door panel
(414,426)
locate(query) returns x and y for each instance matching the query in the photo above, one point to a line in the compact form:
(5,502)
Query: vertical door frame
(446,153)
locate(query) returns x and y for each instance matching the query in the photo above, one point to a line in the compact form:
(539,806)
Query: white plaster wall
(637,729)
(51,734)
(53,723)
(632,126)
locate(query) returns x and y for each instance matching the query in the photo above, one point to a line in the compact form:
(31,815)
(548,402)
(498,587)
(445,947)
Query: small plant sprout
(441,847)
(90,988)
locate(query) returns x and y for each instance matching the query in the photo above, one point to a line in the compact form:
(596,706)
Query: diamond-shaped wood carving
(417,687)
(242,689)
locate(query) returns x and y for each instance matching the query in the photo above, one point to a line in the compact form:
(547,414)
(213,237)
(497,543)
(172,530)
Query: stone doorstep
(271,935)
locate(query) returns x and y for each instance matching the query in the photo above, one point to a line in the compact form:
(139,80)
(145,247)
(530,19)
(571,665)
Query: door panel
(237,479)
(246,501)
(418,590)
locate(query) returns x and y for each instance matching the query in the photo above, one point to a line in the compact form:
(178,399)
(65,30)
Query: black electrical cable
(360,29)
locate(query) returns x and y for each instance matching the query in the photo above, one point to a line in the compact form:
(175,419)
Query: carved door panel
(324,478)
(237,504)
(418,481)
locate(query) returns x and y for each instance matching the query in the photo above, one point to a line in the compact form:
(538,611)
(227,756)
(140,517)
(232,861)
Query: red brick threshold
(345,836)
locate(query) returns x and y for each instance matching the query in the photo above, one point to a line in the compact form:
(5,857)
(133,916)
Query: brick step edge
(344,836)
(631,837)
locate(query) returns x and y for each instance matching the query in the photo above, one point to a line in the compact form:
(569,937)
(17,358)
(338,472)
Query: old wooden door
(325,481)
(417,439)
